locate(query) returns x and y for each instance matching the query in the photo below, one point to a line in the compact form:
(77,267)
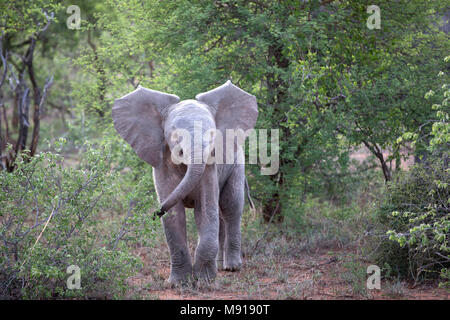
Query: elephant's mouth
(188,202)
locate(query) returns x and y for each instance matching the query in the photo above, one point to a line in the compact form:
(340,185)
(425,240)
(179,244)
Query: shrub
(52,215)
(416,216)
(416,210)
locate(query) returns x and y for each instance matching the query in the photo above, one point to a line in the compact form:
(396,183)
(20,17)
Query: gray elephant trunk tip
(158,213)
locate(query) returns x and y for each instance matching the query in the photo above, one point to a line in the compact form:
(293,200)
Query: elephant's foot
(219,259)
(180,276)
(232,262)
(205,270)
(219,264)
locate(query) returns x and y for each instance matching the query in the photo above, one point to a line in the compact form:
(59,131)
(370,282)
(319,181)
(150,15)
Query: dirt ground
(284,269)
(321,275)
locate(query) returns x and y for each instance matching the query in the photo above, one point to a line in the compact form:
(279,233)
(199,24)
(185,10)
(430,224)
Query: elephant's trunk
(191,179)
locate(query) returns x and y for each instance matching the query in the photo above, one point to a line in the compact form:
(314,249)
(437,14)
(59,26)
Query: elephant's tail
(249,198)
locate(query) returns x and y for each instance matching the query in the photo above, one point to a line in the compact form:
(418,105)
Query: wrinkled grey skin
(146,119)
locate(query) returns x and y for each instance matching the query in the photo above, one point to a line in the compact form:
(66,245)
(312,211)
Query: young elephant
(151,122)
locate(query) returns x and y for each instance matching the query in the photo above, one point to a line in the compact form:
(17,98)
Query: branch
(4,58)
(38,35)
(36,116)
(23,107)
(213,45)
(267,228)
(101,72)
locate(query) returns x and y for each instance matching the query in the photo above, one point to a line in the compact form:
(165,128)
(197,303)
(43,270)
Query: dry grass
(281,269)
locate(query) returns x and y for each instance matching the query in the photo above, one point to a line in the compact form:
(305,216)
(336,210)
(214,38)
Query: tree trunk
(272,207)
(276,97)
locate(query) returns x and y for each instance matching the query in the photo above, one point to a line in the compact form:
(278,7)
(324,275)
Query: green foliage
(75,205)
(321,77)
(25,17)
(355,274)
(319,74)
(436,140)
(415,213)
(417,210)
(440,131)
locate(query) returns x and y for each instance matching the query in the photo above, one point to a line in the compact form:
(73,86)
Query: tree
(320,75)
(17,55)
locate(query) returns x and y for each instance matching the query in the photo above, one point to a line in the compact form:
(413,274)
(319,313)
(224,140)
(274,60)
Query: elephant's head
(149,120)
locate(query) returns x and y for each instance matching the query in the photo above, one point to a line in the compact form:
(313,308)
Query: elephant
(149,121)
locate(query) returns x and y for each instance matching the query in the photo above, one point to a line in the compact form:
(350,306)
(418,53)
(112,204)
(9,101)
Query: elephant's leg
(175,230)
(232,206)
(219,259)
(206,213)
(174,224)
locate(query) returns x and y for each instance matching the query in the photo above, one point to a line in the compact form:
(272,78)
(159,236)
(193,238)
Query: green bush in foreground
(45,193)
(417,209)
(416,215)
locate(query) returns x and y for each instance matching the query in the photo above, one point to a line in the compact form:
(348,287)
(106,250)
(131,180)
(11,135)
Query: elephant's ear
(233,107)
(137,118)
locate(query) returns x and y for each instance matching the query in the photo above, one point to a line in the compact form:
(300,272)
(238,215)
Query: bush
(53,215)
(415,215)
(416,211)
